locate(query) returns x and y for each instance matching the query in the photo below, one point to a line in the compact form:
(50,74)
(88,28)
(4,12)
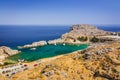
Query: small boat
(55,44)
(64,44)
(33,49)
(21,60)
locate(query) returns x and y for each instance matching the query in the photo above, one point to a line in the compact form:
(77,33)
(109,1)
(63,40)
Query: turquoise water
(46,51)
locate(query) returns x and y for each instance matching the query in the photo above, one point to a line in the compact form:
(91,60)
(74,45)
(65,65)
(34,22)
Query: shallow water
(46,51)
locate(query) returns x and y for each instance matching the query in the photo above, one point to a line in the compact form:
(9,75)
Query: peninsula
(79,34)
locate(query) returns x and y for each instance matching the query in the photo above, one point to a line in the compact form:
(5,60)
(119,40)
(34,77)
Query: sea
(14,35)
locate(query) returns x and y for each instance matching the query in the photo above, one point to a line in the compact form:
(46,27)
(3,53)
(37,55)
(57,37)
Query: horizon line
(51,24)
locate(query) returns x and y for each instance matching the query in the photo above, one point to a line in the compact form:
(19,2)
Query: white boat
(33,49)
(19,60)
(55,44)
(64,44)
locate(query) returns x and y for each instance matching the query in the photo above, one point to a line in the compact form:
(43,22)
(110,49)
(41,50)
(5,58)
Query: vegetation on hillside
(82,39)
(94,39)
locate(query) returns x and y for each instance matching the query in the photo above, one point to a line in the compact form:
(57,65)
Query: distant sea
(112,28)
(13,36)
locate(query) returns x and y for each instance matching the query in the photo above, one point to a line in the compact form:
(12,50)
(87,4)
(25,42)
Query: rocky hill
(83,30)
(6,51)
(95,63)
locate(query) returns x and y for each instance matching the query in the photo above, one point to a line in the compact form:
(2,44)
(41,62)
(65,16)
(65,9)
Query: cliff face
(6,51)
(95,63)
(83,30)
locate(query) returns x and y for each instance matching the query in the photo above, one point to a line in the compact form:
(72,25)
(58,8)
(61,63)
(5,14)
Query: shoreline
(88,45)
(57,56)
(50,42)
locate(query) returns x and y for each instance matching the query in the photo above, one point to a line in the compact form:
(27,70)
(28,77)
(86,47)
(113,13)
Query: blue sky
(59,12)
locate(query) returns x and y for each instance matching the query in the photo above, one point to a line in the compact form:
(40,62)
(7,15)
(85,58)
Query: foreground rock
(6,52)
(34,44)
(95,63)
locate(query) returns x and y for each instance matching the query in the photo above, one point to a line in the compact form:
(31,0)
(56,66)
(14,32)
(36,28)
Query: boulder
(6,52)
(56,41)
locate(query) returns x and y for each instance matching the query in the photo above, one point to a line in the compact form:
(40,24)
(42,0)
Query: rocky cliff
(6,51)
(83,30)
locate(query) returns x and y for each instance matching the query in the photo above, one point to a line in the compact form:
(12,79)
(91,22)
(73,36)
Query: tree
(118,33)
(85,38)
(94,39)
(82,38)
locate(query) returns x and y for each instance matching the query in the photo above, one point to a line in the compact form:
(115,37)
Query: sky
(59,12)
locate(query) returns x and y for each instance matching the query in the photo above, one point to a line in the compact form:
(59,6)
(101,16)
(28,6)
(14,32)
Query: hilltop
(85,30)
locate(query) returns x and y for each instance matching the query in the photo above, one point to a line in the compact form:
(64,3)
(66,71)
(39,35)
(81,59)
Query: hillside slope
(95,63)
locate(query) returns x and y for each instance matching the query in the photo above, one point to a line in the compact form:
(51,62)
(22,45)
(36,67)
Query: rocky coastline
(56,41)
(6,52)
(34,44)
(72,37)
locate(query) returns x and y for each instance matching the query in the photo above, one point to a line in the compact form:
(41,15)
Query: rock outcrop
(56,41)
(34,44)
(6,52)
(83,30)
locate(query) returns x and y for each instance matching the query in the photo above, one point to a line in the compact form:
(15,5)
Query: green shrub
(118,33)
(94,39)
(6,63)
(82,39)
